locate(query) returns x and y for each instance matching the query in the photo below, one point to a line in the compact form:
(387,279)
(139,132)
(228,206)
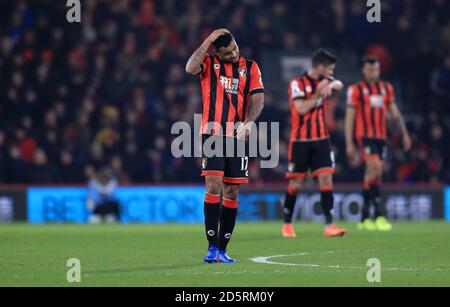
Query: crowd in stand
(77,97)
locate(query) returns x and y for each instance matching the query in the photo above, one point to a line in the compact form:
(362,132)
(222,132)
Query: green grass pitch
(414,254)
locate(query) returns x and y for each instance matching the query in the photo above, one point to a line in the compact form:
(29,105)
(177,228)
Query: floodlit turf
(414,254)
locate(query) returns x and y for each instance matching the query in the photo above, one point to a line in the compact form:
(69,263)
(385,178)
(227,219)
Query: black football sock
(327,202)
(212,215)
(376,198)
(228,217)
(365,211)
(289,206)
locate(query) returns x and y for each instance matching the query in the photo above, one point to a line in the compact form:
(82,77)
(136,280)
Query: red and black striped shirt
(226,91)
(371,102)
(312,126)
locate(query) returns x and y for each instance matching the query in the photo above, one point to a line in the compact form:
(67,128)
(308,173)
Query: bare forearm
(349,126)
(193,66)
(304,106)
(398,119)
(400,123)
(256,107)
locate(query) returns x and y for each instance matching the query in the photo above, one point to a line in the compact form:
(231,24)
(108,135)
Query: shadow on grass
(155,268)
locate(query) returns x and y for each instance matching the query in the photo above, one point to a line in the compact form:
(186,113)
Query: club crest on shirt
(216,66)
(243,72)
(204,163)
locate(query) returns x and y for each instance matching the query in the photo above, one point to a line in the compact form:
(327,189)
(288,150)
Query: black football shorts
(373,149)
(310,158)
(225,157)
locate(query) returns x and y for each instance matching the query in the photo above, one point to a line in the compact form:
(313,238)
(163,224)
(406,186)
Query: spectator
(102,199)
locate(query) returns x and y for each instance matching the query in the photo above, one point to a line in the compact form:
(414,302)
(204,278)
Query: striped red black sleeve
(205,65)
(352,96)
(256,83)
(390,92)
(297,90)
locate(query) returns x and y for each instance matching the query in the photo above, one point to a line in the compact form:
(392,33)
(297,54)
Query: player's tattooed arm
(194,64)
(255,111)
(400,122)
(256,107)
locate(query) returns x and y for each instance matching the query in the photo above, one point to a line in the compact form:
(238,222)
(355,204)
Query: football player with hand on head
(232,97)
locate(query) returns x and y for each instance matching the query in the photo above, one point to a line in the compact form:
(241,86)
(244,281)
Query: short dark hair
(323,57)
(223,41)
(369,59)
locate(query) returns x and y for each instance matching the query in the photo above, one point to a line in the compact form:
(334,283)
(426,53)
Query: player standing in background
(310,150)
(232,92)
(368,103)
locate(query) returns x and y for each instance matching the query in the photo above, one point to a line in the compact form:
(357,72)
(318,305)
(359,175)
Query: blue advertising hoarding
(185,205)
(138,205)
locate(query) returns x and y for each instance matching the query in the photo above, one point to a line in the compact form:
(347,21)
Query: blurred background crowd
(78,97)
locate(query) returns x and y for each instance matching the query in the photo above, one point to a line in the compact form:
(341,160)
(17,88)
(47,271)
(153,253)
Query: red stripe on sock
(326,189)
(291,191)
(367,184)
(212,199)
(377,181)
(232,204)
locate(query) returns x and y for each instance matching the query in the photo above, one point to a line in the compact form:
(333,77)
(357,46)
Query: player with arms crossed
(368,103)
(310,150)
(232,93)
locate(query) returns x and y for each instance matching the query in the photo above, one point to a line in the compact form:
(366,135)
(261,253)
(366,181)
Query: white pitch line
(266,260)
